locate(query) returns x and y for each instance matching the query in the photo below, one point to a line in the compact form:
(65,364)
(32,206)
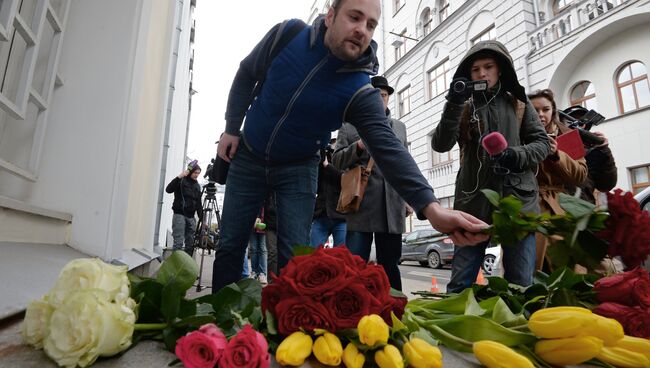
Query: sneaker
(262,278)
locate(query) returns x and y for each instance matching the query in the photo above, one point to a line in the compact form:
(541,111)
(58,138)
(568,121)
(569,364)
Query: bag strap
(371,163)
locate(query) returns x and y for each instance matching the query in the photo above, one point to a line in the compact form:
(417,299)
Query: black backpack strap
(284,35)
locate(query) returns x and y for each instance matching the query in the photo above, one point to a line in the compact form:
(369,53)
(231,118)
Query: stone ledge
(32,209)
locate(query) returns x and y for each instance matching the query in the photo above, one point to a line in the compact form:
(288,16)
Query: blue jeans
(518,264)
(258,253)
(245,273)
(249,182)
(323,226)
(389,251)
(183,229)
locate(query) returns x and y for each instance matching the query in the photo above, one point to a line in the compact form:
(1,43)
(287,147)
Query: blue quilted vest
(302,100)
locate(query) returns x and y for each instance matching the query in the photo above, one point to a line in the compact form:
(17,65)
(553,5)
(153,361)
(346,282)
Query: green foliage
(165,314)
(574,241)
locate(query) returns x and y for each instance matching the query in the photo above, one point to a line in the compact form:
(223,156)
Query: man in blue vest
(293,98)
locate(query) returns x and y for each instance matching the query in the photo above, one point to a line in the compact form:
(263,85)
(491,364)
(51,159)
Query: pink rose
(247,349)
(201,348)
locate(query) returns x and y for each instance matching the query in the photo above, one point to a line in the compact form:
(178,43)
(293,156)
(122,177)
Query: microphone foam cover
(494,143)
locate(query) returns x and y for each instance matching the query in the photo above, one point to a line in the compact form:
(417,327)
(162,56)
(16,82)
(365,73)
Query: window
(426,20)
(27,74)
(632,86)
(397,5)
(583,94)
(404,101)
(490,33)
(447,202)
(559,5)
(640,178)
(443,13)
(400,45)
(438,158)
(439,78)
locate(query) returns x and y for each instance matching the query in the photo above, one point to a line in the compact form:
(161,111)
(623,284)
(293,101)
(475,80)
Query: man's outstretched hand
(227,146)
(463,228)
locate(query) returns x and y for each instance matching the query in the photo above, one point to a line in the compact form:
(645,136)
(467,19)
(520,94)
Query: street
(418,278)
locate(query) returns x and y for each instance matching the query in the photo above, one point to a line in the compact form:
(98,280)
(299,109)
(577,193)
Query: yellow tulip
(294,349)
(352,358)
(496,355)
(569,351)
(622,357)
(421,354)
(373,330)
(560,322)
(328,349)
(607,329)
(635,344)
(389,357)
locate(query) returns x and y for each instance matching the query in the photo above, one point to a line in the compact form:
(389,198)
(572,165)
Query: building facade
(94,109)
(589,52)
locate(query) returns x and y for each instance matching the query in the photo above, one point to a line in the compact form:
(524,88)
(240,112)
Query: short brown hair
(549,95)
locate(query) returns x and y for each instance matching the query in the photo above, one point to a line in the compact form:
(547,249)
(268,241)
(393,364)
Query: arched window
(443,12)
(559,5)
(632,86)
(583,94)
(426,20)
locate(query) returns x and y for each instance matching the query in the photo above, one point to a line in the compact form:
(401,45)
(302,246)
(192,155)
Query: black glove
(455,97)
(507,160)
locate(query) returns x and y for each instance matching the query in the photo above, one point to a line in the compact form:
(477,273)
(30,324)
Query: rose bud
(294,349)
(628,288)
(352,358)
(569,351)
(421,354)
(496,355)
(621,357)
(328,349)
(373,330)
(560,322)
(389,357)
(201,348)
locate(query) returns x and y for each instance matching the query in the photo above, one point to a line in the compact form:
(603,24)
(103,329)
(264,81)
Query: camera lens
(459,86)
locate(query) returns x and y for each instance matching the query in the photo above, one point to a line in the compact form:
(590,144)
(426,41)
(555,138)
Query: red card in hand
(571,144)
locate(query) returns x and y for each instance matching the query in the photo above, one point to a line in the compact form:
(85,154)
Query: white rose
(36,323)
(88,325)
(90,273)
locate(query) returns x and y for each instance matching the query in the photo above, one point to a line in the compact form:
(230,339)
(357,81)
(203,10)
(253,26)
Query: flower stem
(149,326)
(450,336)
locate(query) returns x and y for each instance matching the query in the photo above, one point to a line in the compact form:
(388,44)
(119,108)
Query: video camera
(462,85)
(578,117)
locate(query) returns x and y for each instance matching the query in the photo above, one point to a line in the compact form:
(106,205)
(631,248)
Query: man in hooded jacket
(293,98)
(466,119)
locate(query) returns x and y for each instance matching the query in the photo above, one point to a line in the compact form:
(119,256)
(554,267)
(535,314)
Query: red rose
(272,294)
(317,274)
(302,312)
(628,288)
(202,348)
(343,253)
(628,229)
(395,305)
(375,279)
(246,349)
(351,303)
(613,310)
(638,323)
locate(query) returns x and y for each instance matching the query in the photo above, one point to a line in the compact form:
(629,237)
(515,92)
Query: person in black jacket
(326,220)
(187,202)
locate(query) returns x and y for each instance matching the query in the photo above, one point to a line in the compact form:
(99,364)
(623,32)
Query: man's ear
(329,18)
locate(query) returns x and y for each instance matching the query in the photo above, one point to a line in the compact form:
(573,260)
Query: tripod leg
(198,283)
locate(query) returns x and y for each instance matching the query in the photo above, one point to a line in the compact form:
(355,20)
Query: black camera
(461,86)
(578,117)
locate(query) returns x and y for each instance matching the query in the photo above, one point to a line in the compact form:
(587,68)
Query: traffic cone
(434,285)
(479,278)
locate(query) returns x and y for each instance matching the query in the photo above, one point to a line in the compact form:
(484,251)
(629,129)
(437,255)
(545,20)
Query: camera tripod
(206,238)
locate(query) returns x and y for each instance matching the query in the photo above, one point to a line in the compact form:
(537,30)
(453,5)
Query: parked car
(492,259)
(428,247)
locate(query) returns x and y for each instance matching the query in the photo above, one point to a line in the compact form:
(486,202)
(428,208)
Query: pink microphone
(494,143)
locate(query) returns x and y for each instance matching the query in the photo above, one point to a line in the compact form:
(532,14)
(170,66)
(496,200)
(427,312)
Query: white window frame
(440,70)
(404,101)
(489,33)
(36,61)
(443,13)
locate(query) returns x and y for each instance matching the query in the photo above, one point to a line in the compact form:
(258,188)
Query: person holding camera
(485,97)
(326,220)
(382,211)
(558,173)
(187,202)
(293,98)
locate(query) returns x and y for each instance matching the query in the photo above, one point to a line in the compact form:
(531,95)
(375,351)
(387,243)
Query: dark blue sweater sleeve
(366,112)
(251,71)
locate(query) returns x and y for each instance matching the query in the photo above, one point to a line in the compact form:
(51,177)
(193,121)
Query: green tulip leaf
(425,335)
(179,269)
(456,304)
